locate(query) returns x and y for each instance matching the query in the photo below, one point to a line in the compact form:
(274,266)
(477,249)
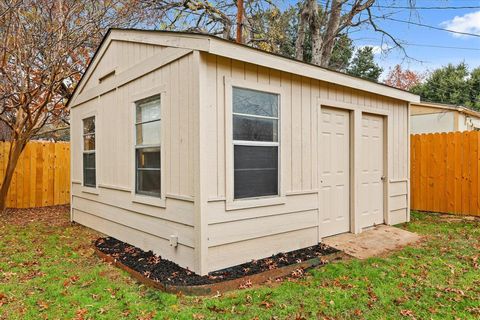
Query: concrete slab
(373,242)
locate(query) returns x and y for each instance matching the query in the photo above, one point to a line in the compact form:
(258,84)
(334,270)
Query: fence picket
(445,172)
(42,175)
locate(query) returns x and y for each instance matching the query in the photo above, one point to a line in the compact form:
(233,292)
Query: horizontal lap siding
(239,252)
(175,210)
(113,210)
(241,235)
(241,230)
(182,255)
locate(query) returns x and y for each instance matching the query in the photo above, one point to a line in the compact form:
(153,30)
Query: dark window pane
(254,129)
(89,142)
(148,158)
(89,125)
(255,102)
(255,171)
(89,160)
(148,109)
(89,172)
(148,182)
(89,178)
(148,133)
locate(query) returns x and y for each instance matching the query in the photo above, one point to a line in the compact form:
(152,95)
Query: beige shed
(212,154)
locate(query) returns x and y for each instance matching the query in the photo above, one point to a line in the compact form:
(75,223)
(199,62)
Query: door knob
(383,178)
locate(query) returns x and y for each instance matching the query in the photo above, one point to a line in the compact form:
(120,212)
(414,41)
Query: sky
(417,39)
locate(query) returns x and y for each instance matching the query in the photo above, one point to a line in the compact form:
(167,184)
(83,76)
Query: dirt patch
(168,272)
(51,216)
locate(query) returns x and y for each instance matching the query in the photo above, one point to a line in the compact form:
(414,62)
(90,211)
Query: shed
(212,154)
(429,117)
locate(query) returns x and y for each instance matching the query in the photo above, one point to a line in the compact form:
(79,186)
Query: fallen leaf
(266,304)
(43,305)
(80,313)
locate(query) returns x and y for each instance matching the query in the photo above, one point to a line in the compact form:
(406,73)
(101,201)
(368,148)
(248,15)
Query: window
(255,143)
(89,168)
(147,147)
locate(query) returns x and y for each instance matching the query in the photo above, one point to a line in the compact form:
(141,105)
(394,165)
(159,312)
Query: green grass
(48,270)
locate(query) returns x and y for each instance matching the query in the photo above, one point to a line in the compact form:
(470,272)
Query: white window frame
(143,198)
(86,188)
(231,202)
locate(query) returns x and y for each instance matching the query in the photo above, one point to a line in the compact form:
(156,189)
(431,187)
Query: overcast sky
(424,45)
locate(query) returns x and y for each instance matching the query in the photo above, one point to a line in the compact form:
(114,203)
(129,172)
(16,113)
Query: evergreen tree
(474,85)
(450,84)
(363,65)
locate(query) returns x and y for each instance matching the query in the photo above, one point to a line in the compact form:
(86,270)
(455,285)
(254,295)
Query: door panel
(372,170)
(334,198)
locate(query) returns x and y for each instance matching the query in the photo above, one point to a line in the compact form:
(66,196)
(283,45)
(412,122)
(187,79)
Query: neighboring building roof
(232,50)
(451,107)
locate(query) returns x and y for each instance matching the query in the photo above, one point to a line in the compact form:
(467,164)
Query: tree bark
(315,27)
(331,33)
(303,22)
(16,149)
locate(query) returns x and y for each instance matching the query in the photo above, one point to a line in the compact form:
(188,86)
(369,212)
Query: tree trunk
(302,25)
(331,33)
(16,149)
(315,26)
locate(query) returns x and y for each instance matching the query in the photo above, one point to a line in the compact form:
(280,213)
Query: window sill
(90,190)
(151,201)
(254,203)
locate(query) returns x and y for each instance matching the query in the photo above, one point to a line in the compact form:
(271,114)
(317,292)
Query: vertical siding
(115,128)
(112,208)
(300,122)
(232,238)
(120,56)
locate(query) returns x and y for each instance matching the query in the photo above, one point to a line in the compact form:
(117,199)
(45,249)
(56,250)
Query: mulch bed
(167,272)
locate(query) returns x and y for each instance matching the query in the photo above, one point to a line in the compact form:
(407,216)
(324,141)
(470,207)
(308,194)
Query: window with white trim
(147,146)
(89,167)
(255,143)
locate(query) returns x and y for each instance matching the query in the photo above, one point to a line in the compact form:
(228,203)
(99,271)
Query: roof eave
(265,59)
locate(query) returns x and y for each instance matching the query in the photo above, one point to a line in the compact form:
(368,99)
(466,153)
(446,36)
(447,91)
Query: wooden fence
(42,175)
(445,172)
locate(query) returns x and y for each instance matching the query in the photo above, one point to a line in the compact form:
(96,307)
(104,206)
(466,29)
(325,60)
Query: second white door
(371,191)
(334,199)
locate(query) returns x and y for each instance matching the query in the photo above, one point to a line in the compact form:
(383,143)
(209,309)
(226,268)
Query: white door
(334,157)
(371,177)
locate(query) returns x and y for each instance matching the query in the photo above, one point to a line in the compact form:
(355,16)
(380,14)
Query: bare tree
(327,22)
(45,46)
(216,17)
(325,25)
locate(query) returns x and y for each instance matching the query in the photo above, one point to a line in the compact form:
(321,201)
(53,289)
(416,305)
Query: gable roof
(225,48)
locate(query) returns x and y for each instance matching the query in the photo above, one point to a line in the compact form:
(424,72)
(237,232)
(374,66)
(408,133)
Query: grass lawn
(48,270)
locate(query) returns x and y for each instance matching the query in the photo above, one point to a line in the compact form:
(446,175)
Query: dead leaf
(266,304)
(80,313)
(357,312)
(407,313)
(3,299)
(43,305)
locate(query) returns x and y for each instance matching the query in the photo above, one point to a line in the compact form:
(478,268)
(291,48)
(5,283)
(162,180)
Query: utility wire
(441,47)
(423,45)
(426,8)
(429,26)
